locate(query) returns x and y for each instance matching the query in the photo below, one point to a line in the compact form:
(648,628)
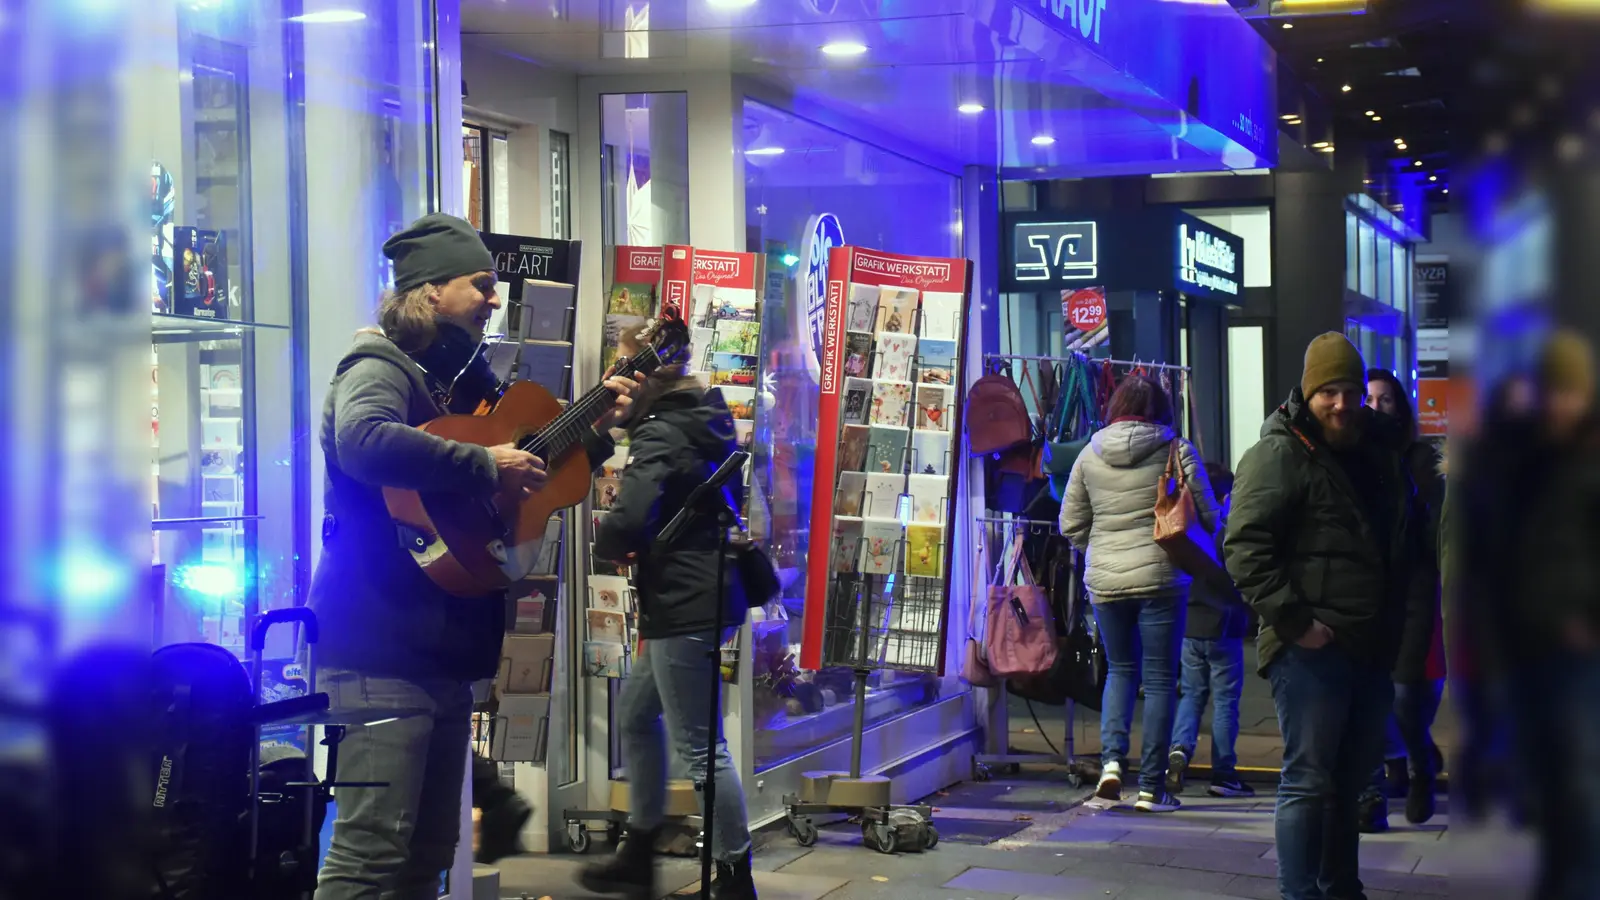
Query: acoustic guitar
(473,547)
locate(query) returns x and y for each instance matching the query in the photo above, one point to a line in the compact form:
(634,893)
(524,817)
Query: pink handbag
(1021,634)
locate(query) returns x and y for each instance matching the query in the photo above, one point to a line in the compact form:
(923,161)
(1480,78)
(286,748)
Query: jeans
(394,843)
(1332,712)
(1140,634)
(1215,667)
(673,676)
(1556,719)
(1409,732)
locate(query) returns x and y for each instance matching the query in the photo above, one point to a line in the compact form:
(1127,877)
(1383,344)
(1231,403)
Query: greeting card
(925,551)
(891,403)
(893,360)
(857,401)
(935,406)
(897,309)
(862,313)
(880,544)
(857,354)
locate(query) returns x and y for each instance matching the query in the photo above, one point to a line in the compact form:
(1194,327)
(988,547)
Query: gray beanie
(435,249)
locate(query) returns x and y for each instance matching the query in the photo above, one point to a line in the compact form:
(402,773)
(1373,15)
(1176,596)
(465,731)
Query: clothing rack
(995,357)
(998,531)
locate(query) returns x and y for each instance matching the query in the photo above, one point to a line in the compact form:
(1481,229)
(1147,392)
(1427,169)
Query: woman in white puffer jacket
(1139,595)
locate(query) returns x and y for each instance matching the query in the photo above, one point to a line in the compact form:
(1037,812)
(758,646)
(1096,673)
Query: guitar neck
(569,428)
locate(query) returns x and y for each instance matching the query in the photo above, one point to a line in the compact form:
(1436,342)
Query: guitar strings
(563,425)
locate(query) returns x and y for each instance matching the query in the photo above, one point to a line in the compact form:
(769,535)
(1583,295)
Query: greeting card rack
(885,478)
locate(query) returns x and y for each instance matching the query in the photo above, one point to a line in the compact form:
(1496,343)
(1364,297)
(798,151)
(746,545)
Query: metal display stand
(888,621)
(1000,532)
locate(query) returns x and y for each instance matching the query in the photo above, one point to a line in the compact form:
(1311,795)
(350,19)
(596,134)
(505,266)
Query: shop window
(1366,244)
(560,186)
(795,170)
(1352,258)
(1247,396)
(1383,275)
(645,167)
(485,177)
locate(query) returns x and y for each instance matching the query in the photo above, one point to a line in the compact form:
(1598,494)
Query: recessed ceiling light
(1445,191)
(1287,116)
(329,17)
(1345,88)
(1416,162)
(764,151)
(1319,59)
(1401,147)
(1399,140)
(970,109)
(1043,140)
(844,48)
(1433,178)
(1327,149)
(1377,118)
(1372,112)
(1320,144)
(1288,25)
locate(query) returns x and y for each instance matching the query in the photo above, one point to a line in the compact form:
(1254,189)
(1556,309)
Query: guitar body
(472,549)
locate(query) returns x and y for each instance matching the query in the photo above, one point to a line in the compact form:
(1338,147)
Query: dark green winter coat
(1301,545)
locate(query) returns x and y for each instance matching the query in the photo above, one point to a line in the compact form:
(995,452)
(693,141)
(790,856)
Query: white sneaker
(1110,782)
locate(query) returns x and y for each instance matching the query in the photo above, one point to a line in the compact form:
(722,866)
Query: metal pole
(859,727)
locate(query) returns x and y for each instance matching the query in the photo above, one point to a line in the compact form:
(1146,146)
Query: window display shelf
(174,326)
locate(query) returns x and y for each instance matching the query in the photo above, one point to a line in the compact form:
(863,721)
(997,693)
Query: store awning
(1068,88)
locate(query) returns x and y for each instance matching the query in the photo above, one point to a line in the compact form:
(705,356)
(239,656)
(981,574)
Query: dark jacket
(378,612)
(1216,614)
(674,448)
(1423,612)
(1302,543)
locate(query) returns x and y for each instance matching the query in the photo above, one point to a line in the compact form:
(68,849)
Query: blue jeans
(1215,667)
(395,842)
(1333,712)
(1556,719)
(1141,634)
(673,677)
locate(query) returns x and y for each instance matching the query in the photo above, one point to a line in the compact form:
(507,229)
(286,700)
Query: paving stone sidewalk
(1030,836)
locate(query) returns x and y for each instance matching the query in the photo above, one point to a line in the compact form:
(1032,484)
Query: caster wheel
(1076,780)
(930,837)
(804,831)
(880,837)
(577,838)
(981,773)
(614,832)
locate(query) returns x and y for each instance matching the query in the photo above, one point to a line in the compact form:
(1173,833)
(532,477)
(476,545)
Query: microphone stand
(710,500)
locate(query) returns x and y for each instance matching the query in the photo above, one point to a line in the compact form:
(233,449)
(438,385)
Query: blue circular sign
(823,233)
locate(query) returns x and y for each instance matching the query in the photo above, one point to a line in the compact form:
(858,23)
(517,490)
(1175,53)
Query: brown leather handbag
(1179,531)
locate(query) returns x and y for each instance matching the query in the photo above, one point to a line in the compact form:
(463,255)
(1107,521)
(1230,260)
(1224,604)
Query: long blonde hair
(407,318)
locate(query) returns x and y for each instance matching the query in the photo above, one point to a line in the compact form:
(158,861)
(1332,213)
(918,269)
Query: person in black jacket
(677,440)
(391,638)
(1419,670)
(1213,663)
(1321,541)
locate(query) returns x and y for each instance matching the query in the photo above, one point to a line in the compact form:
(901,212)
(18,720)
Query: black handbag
(758,577)
(1079,672)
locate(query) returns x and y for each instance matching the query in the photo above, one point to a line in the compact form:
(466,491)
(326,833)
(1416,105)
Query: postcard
(935,406)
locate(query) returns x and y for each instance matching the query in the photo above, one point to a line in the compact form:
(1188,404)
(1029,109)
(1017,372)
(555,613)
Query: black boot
(734,881)
(630,872)
(1374,813)
(500,829)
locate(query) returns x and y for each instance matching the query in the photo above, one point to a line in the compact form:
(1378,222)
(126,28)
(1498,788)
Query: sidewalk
(1029,837)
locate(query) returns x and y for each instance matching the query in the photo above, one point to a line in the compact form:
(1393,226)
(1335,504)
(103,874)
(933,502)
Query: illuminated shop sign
(1084,15)
(1159,248)
(1055,252)
(823,233)
(1206,260)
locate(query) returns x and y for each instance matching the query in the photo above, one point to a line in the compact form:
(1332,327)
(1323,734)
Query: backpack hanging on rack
(996,416)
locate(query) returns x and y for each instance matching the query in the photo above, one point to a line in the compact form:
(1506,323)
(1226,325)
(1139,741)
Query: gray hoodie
(1109,510)
(379,614)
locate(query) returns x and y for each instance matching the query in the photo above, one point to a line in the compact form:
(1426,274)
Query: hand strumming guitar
(519,470)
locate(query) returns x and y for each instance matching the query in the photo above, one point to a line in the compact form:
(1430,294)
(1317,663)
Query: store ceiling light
(1372,112)
(764,151)
(1377,118)
(1288,25)
(1043,140)
(844,48)
(970,109)
(1327,149)
(1401,147)
(1321,144)
(1433,178)
(1346,88)
(730,4)
(1445,191)
(1399,140)
(1416,162)
(329,17)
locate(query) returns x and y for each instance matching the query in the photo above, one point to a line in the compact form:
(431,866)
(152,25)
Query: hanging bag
(1021,634)
(1079,420)
(1179,531)
(996,416)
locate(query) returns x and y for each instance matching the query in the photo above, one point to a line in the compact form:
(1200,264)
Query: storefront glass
(795,171)
(238,127)
(645,169)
